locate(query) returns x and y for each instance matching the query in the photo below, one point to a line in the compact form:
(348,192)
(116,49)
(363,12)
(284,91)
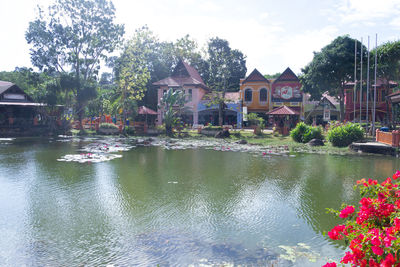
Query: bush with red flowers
(372,230)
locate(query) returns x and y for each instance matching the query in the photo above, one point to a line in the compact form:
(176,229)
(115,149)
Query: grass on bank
(266,139)
(270,139)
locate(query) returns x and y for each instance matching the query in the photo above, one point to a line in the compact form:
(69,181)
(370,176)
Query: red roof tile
(183,74)
(283,110)
(287,75)
(379,82)
(255,76)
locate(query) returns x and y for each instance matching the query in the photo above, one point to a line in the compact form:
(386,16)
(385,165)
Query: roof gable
(283,110)
(287,75)
(255,76)
(8,87)
(183,74)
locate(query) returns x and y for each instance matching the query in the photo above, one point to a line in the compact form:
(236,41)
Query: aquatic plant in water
(89,157)
(371,230)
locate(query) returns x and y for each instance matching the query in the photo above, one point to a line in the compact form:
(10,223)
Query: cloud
(297,50)
(264,15)
(395,23)
(361,11)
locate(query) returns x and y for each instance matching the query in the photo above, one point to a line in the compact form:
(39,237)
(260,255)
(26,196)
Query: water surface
(172,207)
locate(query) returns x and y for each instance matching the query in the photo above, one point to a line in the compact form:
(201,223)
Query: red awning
(146,111)
(283,110)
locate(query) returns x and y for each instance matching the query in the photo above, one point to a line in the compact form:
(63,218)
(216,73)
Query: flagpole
(361,79)
(355,81)
(366,113)
(376,53)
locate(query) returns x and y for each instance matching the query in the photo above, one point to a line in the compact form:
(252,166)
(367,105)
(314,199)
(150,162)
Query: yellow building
(255,92)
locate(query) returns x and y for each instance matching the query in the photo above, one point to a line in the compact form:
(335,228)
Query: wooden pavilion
(284,118)
(20,115)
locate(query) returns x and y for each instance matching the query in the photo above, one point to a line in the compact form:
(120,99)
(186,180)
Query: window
(248,95)
(263,95)
(164,91)
(190,94)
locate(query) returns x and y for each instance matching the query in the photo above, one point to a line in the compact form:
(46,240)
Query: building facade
(352,101)
(285,91)
(255,92)
(187,79)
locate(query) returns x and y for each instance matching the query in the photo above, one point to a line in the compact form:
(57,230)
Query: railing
(389,138)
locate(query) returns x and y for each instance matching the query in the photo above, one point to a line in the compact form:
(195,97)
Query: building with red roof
(383,109)
(185,78)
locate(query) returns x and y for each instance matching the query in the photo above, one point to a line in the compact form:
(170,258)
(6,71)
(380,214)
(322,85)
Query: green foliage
(171,104)
(272,76)
(75,35)
(227,65)
(108,126)
(130,130)
(35,84)
(258,131)
(254,119)
(304,133)
(388,59)
(331,68)
(133,75)
(344,134)
(370,230)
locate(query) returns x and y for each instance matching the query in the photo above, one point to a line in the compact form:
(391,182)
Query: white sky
(272,34)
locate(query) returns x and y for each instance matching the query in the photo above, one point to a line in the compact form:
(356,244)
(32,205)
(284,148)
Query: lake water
(172,207)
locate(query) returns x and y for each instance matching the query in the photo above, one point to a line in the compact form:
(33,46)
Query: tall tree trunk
(221,113)
(78,93)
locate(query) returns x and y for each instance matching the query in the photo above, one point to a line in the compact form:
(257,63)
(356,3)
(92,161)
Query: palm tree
(172,103)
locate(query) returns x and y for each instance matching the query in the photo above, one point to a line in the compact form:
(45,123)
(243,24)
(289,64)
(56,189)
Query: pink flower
(375,241)
(335,233)
(346,212)
(348,257)
(389,261)
(388,240)
(330,264)
(377,250)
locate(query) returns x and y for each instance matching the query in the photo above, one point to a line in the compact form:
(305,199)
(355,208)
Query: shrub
(304,133)
(256,120)
(344,134)
(161,128)
(130,130)
(371,230)
(258,131)
(108,126)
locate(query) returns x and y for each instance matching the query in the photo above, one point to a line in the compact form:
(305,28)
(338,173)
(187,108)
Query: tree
(226,67)
(172,104)
(272,76)
(388,65)
(330,69)
(133,74)
(74,37)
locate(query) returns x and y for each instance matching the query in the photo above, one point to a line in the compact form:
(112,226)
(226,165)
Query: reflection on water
(172,207)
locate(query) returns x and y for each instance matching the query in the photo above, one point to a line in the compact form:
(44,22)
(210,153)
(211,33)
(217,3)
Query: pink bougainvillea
(371,230)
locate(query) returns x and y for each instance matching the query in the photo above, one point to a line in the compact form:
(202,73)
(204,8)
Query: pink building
(185,78)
